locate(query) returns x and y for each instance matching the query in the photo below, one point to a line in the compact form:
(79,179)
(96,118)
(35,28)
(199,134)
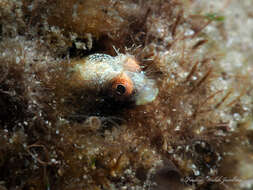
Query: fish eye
(120,89)
(122,85)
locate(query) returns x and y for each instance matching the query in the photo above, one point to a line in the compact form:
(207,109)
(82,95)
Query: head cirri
(120,78)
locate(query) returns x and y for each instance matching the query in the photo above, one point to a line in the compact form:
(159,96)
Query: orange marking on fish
(122,85)
(132,65)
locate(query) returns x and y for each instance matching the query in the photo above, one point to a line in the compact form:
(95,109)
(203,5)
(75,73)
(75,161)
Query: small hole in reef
(98,46)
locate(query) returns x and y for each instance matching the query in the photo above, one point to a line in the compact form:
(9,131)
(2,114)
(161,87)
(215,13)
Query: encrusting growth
(76,114)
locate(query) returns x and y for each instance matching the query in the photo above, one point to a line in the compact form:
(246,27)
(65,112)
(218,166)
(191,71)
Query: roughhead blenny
(120,77)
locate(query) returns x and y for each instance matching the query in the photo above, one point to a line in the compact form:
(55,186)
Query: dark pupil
(120,89)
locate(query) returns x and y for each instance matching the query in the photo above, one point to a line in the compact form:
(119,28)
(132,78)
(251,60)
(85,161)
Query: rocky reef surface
(195,135)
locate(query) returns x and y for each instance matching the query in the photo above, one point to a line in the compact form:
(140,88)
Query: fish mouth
(147,94)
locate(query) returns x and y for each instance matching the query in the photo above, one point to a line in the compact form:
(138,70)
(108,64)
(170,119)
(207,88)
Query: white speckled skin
(98,70)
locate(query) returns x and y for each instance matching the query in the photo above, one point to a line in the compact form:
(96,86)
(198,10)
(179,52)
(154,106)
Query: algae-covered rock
(126,94)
